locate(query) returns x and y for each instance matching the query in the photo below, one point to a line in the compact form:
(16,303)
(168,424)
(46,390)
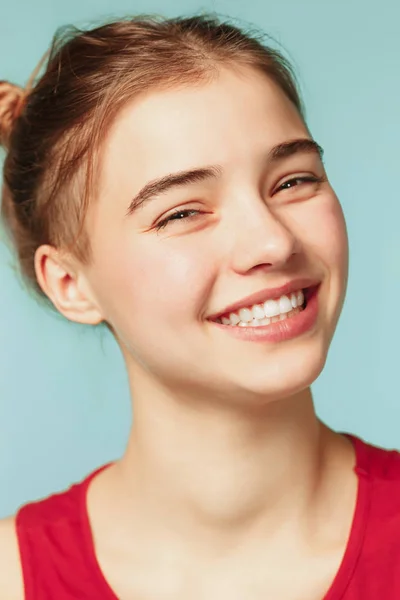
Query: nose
(261,238)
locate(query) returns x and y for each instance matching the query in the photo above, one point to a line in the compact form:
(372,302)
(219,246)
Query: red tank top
(59,561)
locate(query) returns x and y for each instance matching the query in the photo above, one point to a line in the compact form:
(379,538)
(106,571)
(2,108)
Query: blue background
(64,403)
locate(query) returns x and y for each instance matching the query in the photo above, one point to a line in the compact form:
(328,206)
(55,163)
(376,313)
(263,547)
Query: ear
(66,286)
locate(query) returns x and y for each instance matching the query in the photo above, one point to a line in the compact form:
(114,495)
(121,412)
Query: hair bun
(11,102)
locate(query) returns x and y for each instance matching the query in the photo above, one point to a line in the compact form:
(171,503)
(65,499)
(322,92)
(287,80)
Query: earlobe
(65,286)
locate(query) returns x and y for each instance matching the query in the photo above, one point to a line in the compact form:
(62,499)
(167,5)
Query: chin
(281,378)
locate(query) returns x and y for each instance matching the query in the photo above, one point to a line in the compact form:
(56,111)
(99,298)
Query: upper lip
(266,294)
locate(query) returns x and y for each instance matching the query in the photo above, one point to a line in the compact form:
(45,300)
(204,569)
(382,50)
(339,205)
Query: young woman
(160,178)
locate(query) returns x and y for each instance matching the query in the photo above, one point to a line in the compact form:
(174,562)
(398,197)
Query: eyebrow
(185,178)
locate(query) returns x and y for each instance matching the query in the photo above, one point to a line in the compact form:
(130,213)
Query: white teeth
(265,321)
(269,312)
(234,319)
(285,305)
(258,312)
(271,308)
(245,315)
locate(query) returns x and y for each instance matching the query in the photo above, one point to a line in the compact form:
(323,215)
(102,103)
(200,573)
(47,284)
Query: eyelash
(185,212)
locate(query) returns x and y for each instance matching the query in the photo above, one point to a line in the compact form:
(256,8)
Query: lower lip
(280,331)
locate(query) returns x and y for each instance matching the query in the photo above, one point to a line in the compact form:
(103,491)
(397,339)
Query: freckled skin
(156,287)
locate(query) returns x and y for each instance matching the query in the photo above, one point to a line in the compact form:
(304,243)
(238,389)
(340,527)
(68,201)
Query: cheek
(153,280)
(332,238)
(322,230)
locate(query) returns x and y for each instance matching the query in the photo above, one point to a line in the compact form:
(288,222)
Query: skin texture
(227,469)
(156,288)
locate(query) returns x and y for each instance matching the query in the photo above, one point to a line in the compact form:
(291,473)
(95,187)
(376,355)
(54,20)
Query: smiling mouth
(271,311)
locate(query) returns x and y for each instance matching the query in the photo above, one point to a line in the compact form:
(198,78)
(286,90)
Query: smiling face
(238,203)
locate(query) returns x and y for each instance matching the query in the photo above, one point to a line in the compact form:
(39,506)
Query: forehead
(232,117)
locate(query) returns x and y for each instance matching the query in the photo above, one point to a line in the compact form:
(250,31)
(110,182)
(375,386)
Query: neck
(208,468)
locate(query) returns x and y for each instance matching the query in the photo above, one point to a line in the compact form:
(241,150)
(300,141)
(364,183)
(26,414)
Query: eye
(178,215)
(298,181)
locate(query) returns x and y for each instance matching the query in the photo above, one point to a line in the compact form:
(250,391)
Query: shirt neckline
(355,541)
(351,553)
(107,593)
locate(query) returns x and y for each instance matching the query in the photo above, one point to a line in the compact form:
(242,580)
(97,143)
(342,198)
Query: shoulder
(382,465)
(33,539)
(11,579)
(380,469)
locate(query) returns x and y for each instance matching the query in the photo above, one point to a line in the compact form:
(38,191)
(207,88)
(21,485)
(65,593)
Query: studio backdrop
(64,403)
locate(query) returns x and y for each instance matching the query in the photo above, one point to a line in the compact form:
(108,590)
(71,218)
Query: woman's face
(228,207)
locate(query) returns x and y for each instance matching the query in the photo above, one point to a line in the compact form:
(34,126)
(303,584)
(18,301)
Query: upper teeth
(270,308)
